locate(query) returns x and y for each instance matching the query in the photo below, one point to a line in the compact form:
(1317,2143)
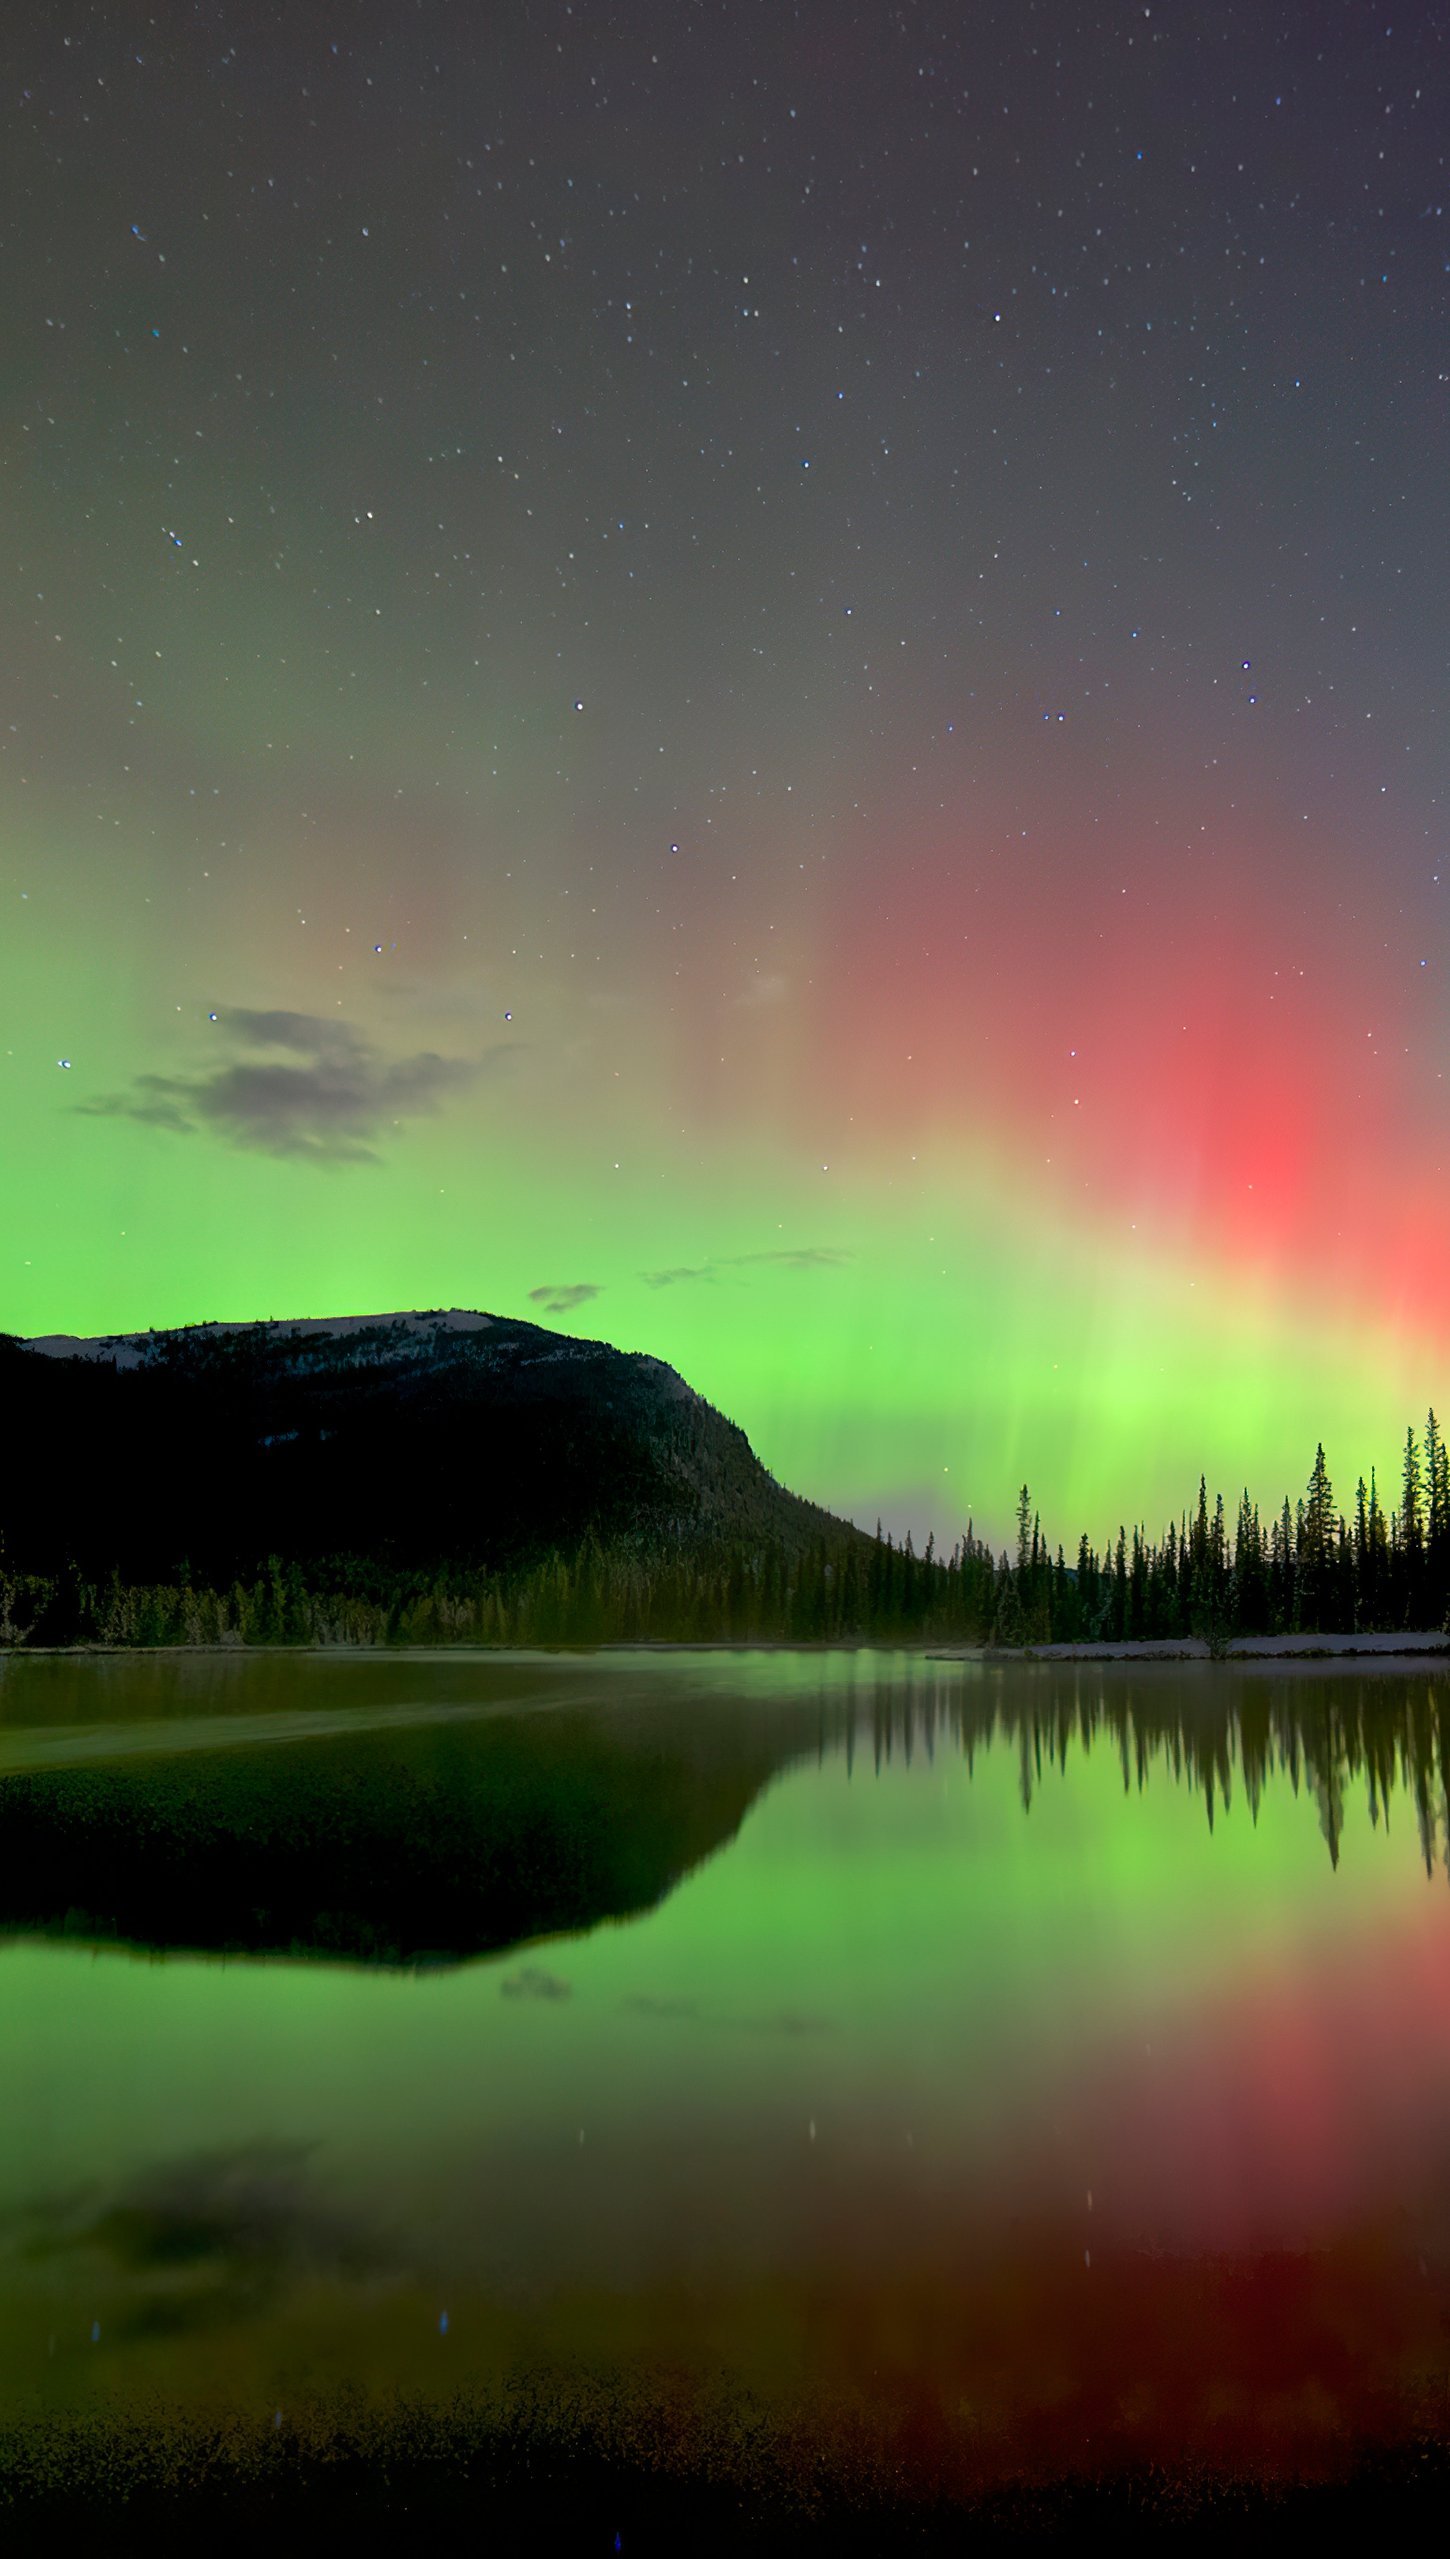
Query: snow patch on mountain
(141,1350)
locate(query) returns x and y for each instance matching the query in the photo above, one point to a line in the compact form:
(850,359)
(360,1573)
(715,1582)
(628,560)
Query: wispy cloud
(562,1301)
(295,1084)
(804,1257)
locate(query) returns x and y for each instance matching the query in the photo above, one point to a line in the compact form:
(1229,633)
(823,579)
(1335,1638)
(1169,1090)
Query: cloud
(562,1301)
(805,1257)
(780,2021)
(294,1084)
(532,1982)
(681,1271)
(768,989)
(205,2240)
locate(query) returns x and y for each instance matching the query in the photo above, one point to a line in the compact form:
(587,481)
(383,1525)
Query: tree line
(595,1592)
(1311,1569)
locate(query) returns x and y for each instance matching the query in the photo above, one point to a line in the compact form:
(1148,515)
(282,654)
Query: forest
(1312,1569)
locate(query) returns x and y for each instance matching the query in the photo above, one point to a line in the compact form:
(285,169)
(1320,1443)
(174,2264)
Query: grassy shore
(572,2481)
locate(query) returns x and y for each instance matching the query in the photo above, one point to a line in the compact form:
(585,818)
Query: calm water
(1013,2072)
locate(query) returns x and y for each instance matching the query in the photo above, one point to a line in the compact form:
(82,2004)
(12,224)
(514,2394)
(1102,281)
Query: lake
(806,2074)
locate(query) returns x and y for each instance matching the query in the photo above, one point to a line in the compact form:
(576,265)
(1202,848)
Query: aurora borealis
(766,683)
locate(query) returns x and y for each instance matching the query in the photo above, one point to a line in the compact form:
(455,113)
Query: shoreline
(439,1652)
(1417,1646)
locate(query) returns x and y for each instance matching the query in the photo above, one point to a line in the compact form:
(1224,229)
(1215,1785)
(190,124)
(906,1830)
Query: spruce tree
(1318,1547)
(1024,1537)
(1437,1522)
(1120,1587)
(1412,1532)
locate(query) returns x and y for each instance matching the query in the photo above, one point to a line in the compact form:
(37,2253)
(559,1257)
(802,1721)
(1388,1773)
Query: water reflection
(1002,2072)
(437,1828)
(200,2242)
(1213,1731)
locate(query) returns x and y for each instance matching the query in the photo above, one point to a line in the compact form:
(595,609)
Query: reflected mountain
(434,1834)
(426,1842)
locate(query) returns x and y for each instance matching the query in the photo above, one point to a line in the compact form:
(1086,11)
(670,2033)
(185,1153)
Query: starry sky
(763,681)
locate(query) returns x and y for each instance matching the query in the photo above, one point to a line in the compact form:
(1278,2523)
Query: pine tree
(1360,1557)
(1138,1589)
(1378,1581)
(1437,1522)
(1317,1548)
(1412,1532)
(1199,1539)
(1007,1625)
(1284,1592)
(1250,1588)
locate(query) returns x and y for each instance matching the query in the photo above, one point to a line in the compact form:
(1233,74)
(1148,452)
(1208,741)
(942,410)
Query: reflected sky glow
(982,2078)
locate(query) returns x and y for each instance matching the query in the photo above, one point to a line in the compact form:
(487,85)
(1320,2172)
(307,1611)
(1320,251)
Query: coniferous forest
(1312,1568)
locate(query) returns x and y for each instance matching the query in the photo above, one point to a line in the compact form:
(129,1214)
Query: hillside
(416,1440)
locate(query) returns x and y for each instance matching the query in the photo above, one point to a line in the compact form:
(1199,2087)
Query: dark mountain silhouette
(418,1441)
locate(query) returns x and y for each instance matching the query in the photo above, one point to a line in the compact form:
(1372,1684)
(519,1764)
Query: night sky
(762,680)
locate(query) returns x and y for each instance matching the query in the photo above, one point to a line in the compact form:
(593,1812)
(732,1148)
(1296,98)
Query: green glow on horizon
(926,1390)
(972,1338)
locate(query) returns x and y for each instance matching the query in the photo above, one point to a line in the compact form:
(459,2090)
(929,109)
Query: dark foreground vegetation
(595,2479)
(1312,1570)
(594,1594)
(411,1484)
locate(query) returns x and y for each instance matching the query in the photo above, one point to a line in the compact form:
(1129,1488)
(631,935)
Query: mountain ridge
(136,1350)
(417,1437)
